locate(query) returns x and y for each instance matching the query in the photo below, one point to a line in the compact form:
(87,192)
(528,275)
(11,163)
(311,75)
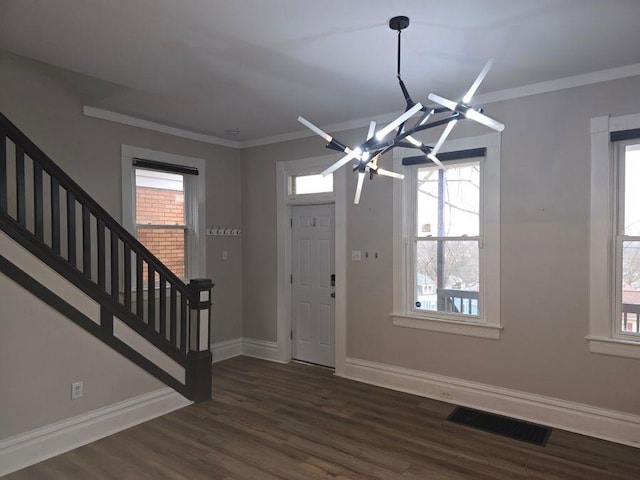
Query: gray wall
(544,257)
(259,242)
(42,353)
(44,103)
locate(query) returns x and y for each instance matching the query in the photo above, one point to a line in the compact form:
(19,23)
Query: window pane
(457,213)
(159,198)
(447,276)
(631,287)
(305,184)
(631,190)
(168,245)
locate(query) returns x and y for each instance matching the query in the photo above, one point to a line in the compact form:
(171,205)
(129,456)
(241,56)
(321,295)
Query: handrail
(37,155)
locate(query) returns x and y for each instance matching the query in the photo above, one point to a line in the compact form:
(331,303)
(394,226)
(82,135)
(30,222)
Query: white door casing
(313,259)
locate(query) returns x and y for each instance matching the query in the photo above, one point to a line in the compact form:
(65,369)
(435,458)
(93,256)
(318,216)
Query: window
(161,218)
(614,270)
(163,206)
(627,242)
(446,245)
(309,184)
(305,185)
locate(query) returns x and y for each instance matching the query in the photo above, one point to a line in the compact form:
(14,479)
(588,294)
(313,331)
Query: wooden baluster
(173,307)
(151,296)
(71,228)
(86,241)
(127,276)
(55,215)
(139,288)
(38,201)
(115,274)
(3,174)
(162,312)
(102,282)
(20,187)
(184,319)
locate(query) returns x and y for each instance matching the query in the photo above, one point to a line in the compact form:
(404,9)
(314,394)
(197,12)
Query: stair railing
(47,212)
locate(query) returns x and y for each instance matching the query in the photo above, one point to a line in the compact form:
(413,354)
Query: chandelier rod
(399,41)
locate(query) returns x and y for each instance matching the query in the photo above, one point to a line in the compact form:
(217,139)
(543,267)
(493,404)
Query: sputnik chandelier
(447,112)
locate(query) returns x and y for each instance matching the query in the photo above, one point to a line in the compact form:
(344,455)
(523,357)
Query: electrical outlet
(76,390)
(225,255)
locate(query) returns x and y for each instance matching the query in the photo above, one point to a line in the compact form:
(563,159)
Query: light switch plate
(356,255)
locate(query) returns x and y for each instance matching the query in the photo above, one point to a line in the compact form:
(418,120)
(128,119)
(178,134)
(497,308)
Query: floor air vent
(505,426)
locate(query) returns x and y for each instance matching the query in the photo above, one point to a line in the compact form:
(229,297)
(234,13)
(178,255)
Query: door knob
(333,294)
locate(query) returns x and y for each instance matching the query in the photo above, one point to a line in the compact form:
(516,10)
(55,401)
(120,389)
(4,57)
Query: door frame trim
(284,169)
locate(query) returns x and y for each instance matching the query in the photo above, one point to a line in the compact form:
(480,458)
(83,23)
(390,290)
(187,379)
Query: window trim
(489,324)
(603,337)
(196,249)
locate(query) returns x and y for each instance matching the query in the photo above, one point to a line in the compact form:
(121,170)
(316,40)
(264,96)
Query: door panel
(313,264)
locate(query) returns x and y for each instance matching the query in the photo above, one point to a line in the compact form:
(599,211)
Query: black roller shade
(164,167)
(624,135)
(445,157)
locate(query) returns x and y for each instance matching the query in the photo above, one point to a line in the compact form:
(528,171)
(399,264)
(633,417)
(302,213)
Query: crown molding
(156,127)
(491,97)
(561,84)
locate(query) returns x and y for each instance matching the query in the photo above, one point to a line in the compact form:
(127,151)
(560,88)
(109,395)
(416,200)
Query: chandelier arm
(376,147)
(440,110)
(335,145)
(402,144)
(405,93)
(426,115)
(426,126)
(373,146)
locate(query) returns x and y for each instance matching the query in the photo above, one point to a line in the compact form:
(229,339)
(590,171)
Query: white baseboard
(227,349)
(263,349)
(251,347)
(37,445)
(597,422)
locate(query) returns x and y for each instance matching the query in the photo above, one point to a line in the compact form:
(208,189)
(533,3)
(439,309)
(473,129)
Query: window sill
(470,329)
(614,346)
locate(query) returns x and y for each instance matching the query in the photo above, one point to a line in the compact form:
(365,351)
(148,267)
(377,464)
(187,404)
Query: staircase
(61,245)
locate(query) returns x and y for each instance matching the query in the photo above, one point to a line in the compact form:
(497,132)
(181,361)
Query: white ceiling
(255,65)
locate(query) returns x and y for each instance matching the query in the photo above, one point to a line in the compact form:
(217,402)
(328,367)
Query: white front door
(313,294)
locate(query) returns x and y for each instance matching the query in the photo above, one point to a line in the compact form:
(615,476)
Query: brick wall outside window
(160,206)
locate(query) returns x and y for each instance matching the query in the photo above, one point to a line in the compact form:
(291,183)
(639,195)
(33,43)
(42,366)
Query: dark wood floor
(271,421)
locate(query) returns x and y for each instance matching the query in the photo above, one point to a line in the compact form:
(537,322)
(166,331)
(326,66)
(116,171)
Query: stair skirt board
(40,444)
(501,425)
(132,339)
(32,266)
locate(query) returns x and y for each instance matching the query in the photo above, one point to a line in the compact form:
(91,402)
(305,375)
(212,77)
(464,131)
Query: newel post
(199,357)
